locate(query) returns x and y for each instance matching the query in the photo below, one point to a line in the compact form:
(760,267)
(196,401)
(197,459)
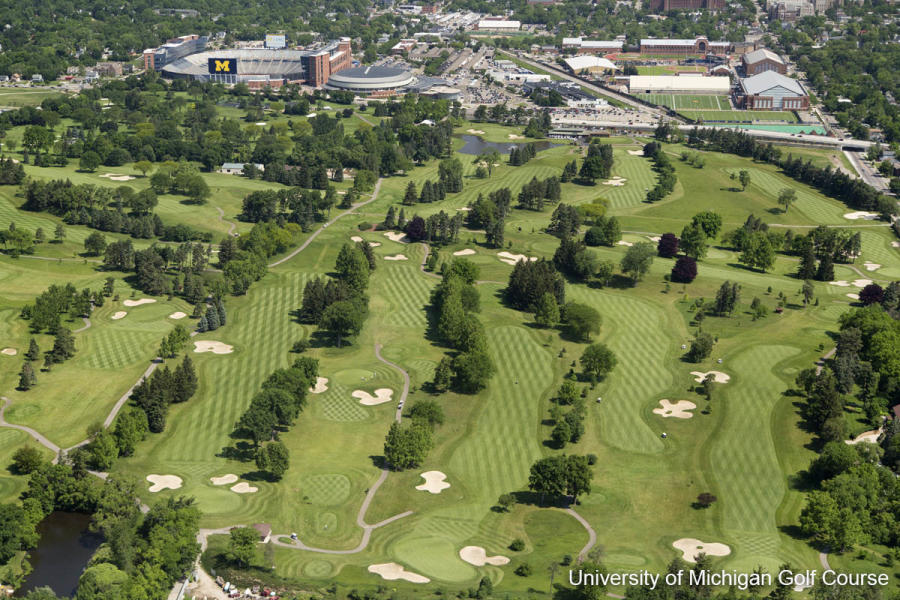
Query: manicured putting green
(353,377)
(436,558)
(326,523)
(318,568)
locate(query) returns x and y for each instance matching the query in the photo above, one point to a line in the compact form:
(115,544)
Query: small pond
(475,145)
(65,547)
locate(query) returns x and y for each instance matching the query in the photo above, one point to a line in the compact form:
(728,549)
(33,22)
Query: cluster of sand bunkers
(159,483)
(681,409)
(474,555)
(512,259)
(117,177)
(861,214)
(615,181)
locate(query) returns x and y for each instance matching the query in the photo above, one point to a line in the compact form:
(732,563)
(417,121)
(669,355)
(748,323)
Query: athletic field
(688,101)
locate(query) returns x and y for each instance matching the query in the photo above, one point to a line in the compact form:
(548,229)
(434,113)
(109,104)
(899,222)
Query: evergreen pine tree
(198,311)
(826,269)
(220,308)
(212,318)
(26,377)
(202,325)
(807,264)
(401,220)
(411,195)
(34,352)
(390,220)
(185,380)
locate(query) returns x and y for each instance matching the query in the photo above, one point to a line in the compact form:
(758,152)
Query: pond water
(63,551)
(475,145)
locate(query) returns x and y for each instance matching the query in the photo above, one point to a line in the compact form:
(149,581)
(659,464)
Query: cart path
(37,436)
(316,233)
(230,224)
(592,535)
(87,324)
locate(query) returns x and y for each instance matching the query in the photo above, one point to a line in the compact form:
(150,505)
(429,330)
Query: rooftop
(770,79)
(762,54)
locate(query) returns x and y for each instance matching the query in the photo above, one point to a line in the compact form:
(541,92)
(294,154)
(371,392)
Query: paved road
(87,324)
(403,394)
(823,560)
(868,174)
(316,233)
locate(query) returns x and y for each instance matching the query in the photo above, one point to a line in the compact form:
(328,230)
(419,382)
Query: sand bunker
(636,152)
(839,283)
(261,123)
(861,214)
(395,236)
(853,296)
(624,243)
(119,315)
(895,244)
(679,410)
(513,136)
(465,252)
(164,482)
(396,257)
(690,548)
(9,351)
(320,387)
(355,238)
(512,259)
(475,131)
(615,181)
(224,479)
(719,376)
(244,488)
(464,209)
(381,396)
(139,302)
(866,436)
(392,571)
(214,347)
(861,283)
(434,482)
(476,555)
(654,238)
(870,266)
(115,177)
(177,315)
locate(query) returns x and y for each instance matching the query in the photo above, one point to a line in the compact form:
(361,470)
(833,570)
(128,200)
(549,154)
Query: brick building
(762,60)
(697,46)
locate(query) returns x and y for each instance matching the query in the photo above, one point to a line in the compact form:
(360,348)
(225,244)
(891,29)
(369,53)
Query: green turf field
(739,116)
(681,102)
(746,449)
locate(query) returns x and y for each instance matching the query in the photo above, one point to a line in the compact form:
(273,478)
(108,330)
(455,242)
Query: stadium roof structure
(498,24)
(675,83)
(371,78)
(250,61)
(583,43)
(771,79)
(762,54)
(577,63)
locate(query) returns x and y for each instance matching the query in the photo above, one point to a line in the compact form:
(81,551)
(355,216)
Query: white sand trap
(615,181)
(392,571)
(464,209)
(870,266)
(636,152)
(853,296)
(434,482)
(139,302)
(224,479)
(261,123)
(164,482)
(465,252)
(9,351)
(861,283)
(320,387)
(355,238)
(861,214)
(395,236)
(839,283)
(476,555)
(475,131)
(244,488)
(512,259)
(513,136)
(866,436)
(114,177)
(654,238)
(119,315)
(624,243)
(381,396)
(895,244)
(679,410)
(374,244)
(214,347)
(396,257)
(177,315)
(691,547)
(719,376)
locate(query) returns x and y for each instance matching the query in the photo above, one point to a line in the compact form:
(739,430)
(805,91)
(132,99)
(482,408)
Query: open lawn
(16,97)
(744,447)
(739,116)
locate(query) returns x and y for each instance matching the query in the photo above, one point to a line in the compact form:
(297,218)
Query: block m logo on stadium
(223,65)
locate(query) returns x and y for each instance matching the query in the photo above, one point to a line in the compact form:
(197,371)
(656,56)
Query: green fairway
(744,446)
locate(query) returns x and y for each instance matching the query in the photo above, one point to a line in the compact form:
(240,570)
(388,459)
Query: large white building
(678,84)
(591,64)
(583,46)
(498,25)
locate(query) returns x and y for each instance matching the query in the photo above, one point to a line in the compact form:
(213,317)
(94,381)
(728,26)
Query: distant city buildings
(661,6)
(791,10)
